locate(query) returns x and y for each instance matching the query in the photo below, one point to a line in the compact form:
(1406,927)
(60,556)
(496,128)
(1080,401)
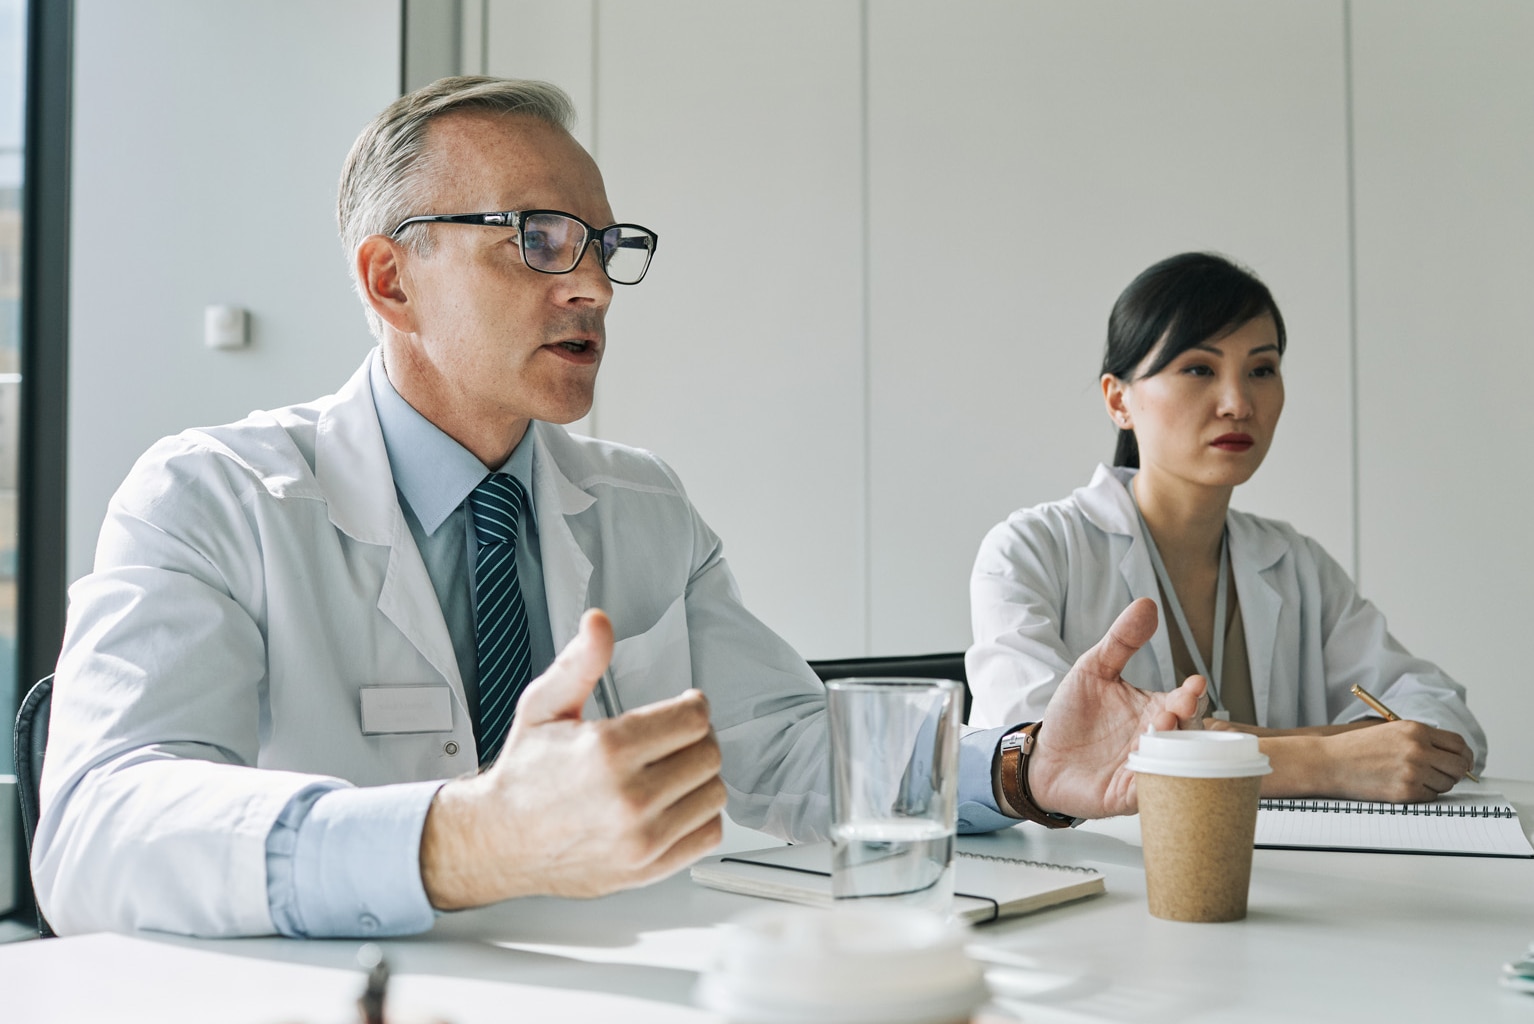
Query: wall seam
(1352,207)
(484,37)
(594,418)
(867,374)
(404,47)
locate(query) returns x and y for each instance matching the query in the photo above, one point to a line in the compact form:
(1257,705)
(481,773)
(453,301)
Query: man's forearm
(454,874)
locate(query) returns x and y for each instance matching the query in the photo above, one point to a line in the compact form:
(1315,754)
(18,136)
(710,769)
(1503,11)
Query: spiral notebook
(1463,824)
(989,883)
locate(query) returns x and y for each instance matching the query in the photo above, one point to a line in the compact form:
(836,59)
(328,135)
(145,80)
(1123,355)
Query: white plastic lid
(848,965)
(1200,754)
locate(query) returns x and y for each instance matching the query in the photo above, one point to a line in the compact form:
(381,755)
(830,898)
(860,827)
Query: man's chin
(566,412)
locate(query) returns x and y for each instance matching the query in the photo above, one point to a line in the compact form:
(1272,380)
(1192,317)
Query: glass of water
(894,789)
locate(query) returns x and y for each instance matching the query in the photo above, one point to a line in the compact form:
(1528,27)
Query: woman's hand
(1221,725)
(1398,762)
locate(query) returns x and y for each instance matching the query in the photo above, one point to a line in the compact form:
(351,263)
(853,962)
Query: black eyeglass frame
(513,219)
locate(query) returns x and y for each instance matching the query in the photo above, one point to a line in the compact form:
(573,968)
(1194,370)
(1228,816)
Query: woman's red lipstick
(1233,442)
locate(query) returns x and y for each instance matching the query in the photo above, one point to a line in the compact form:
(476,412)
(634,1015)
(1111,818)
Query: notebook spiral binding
(1030,863)
(1422,810)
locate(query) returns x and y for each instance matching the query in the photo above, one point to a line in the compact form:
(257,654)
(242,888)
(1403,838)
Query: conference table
(1329,937)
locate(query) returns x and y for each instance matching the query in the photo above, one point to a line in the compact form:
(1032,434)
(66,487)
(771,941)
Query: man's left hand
(1095,719)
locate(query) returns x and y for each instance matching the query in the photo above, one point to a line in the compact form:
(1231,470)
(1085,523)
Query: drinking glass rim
(882,684)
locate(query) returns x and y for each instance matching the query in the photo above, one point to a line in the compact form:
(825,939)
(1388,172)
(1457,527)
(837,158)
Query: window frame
(41,521)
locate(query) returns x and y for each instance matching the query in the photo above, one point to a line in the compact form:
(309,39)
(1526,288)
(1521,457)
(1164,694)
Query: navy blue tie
(500,619)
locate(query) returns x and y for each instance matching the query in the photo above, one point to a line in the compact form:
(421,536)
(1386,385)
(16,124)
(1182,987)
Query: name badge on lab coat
(395,709)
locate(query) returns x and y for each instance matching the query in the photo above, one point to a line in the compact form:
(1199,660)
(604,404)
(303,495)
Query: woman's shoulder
(1095,511)
(1267,541)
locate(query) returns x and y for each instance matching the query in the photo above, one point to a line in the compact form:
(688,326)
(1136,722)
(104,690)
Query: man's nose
(588,282)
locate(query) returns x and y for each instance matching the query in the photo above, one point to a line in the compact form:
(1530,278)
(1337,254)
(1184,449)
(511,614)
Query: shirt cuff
(344,861)
(977,797)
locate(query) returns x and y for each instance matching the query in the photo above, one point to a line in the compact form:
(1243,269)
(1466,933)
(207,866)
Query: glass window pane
(13,53)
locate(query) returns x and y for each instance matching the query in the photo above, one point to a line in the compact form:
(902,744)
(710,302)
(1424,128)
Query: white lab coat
(1050,580)
(251,578)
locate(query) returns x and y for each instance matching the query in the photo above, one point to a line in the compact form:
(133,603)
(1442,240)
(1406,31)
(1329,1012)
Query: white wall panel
(1445,157)
(734,132)
(1026,161)
(208,139)
(549,40)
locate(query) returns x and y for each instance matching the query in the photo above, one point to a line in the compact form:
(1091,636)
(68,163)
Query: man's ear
(1114,393)
(381,271)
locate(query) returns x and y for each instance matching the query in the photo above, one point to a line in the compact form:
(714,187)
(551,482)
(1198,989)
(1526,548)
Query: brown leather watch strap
(1016,748)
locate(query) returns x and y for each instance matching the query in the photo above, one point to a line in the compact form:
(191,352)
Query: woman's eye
(1198,370)
(1265,371)
(534,240)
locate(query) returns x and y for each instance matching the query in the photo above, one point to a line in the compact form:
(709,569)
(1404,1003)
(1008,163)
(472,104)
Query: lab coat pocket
(657,663)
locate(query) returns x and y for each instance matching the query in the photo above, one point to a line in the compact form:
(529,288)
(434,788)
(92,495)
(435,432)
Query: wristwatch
(1016,748)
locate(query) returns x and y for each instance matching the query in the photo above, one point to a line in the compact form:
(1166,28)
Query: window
(35,60)
(13,54)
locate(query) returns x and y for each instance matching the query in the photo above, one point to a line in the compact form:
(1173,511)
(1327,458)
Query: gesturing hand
(1095,719)
(578,808)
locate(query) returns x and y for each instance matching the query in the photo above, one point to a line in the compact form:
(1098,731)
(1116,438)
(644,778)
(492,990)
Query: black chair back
(31,741)
(919,666)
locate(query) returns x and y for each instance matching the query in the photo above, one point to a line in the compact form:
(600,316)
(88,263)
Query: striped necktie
(500,620)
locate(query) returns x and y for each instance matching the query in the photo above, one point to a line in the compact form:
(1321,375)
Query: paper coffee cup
(851,965)
(1198,814)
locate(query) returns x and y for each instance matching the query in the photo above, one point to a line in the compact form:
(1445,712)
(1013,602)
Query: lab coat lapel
(352,467)
(1252,554)
(1107,505)
(566,567)
(1140,577)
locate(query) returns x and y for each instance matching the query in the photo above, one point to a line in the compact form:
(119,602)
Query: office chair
(921,666)
(31,740)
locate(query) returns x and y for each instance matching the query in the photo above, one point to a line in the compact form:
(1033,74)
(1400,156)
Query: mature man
(300,624)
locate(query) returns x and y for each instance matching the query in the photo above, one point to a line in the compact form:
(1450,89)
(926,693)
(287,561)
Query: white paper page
(128,980)
(1426,828)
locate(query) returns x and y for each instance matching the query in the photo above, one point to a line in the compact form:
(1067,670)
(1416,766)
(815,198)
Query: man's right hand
(574,807)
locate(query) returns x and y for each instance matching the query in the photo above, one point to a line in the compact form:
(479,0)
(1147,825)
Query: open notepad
(1467,824)
(989,881)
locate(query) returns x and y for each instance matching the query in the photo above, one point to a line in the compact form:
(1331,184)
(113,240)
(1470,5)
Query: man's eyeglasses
(553,243)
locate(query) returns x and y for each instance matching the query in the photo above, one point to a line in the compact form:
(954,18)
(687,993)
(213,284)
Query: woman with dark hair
(1191,378)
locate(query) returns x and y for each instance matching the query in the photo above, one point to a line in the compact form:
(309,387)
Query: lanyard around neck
(1170,592)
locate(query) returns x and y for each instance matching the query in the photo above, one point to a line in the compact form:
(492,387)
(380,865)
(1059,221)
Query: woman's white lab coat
(1050,580)
(251,579)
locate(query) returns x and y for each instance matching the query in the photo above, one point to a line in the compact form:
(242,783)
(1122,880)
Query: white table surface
(1328,937)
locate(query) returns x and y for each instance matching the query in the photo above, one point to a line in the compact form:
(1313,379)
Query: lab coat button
(368,923)
(450,748)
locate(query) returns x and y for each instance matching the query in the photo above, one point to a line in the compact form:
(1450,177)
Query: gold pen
(1388,715)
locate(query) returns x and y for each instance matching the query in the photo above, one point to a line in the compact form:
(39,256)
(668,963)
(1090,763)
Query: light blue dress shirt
(346,861)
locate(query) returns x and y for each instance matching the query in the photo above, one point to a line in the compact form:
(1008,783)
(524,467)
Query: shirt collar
(433,473)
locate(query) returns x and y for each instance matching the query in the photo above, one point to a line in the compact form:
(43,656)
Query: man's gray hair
(385,176)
